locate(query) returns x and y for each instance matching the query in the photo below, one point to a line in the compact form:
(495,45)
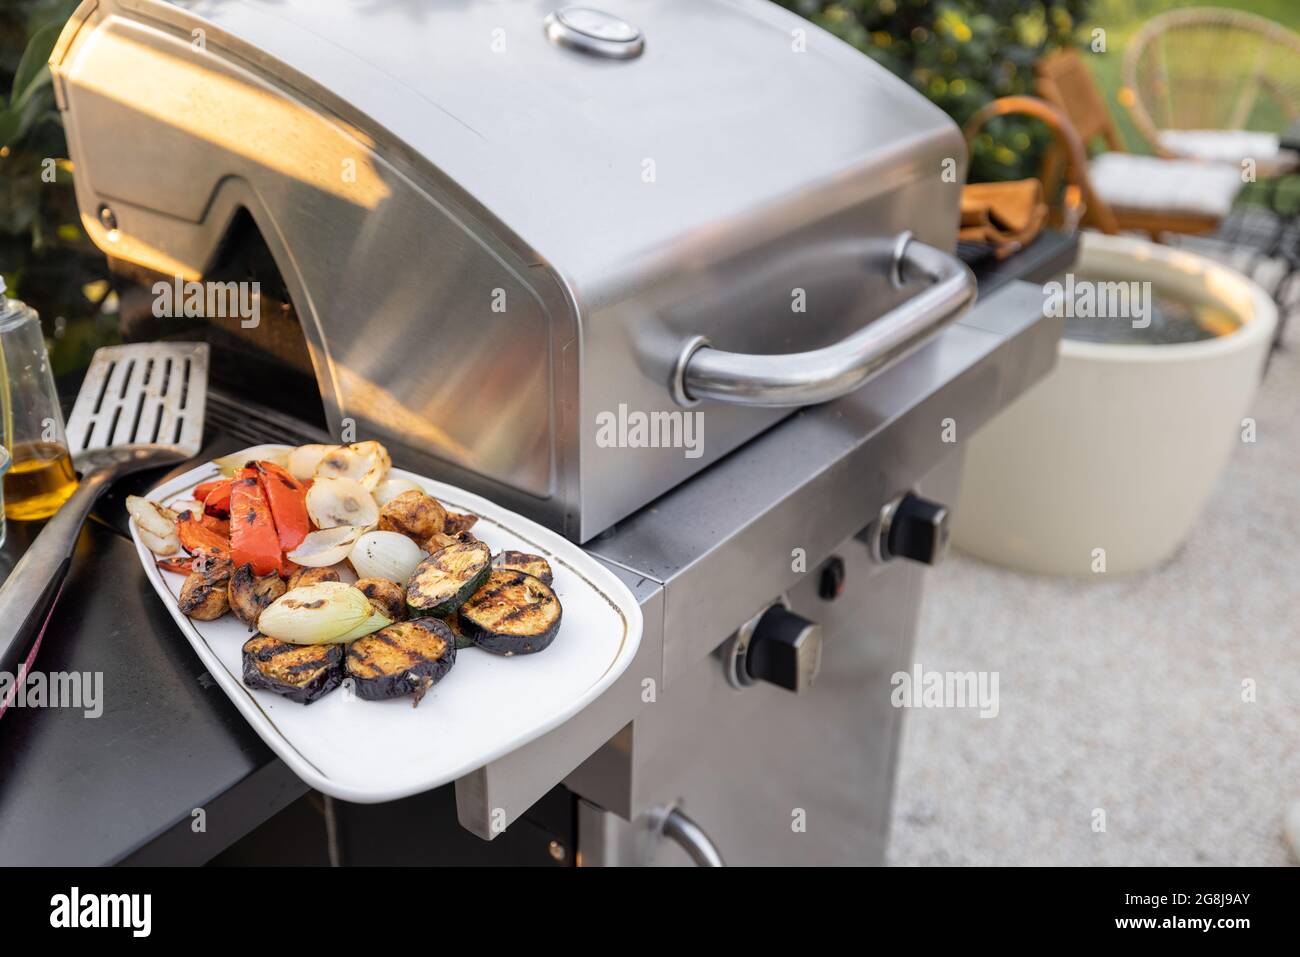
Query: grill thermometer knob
(785,650)
(917,529)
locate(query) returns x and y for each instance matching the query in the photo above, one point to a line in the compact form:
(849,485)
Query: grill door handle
(805,378)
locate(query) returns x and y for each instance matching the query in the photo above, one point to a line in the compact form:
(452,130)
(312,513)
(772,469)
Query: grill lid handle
(805,378)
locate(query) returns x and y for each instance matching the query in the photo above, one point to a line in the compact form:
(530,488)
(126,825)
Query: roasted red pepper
(204,489)
(181,566)
(197,539)
(288,500)
(253,540)
(217,500)
(219,525)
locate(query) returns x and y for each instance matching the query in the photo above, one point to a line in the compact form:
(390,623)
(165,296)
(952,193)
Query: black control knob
(917,529)
(785,649)
(830,583)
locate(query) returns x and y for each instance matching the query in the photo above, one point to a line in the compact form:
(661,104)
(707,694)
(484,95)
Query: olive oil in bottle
(40,479)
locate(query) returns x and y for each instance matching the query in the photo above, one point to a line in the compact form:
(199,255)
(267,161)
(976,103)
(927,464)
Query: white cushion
(1163,185)
(1224,146)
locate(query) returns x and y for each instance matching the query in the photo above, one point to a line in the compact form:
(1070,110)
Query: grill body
(495,242)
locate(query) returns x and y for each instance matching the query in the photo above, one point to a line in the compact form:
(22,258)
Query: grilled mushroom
(310,576)
(204,595)
(387,596)
(414,514)
(456,522)
(250,594)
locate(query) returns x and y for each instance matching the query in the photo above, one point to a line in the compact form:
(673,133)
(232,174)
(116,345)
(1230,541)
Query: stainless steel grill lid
(502,221)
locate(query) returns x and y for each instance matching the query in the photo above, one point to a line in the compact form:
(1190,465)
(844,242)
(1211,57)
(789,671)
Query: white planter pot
(1121,445)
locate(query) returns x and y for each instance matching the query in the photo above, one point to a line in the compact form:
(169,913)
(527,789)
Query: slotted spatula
(140,406)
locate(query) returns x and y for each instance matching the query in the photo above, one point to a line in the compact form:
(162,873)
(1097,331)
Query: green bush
(961,54)
(45,256)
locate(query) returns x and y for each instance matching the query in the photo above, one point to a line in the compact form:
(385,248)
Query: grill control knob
(785,650)
(916,528)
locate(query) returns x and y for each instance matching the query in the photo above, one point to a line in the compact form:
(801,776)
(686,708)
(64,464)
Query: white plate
(486,706)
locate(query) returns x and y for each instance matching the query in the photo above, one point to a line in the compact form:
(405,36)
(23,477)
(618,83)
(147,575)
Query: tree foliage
(961,54)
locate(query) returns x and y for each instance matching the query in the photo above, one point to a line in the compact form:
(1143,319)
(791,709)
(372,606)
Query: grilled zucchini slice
(512,614)
(534,565)
(301,673)
(408,657)
(446,578)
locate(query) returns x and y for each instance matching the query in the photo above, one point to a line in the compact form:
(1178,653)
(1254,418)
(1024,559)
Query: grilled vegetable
(230,464)
(215,496)
(534,565)
(204,595)
(363,462)
(156,525)
(250,594)
(453,622)
(324,613)
(213,524)
(340,501)
(301,673)
(446,578)
(253,540)
(204,489)
(198,539)
(409,657)
(311,576)
(388,597)
(440,540)
(512,614)
(389,489)
(413,514)
(305,459)
(181,566)
(385,555)
(326,547)
(288,501)
(455,523)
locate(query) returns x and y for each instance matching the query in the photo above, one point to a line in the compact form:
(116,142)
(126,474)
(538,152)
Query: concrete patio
(1125,694)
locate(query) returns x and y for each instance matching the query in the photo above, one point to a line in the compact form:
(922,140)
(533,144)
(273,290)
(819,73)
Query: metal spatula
(140,406)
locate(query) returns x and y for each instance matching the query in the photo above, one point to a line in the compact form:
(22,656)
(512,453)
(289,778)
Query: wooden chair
(1145,193)
(1214,84)
(1081,204)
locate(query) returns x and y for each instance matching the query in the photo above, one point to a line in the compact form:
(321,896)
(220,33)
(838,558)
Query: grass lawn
(1122,18)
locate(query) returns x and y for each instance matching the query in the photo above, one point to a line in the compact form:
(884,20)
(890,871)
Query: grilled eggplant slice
(512,614)
(408,657)
(446,578)
(529,564)
(250,594)
(413,514)
(387,596)
(205,593)
(310,576)
(301,673)
(453,622)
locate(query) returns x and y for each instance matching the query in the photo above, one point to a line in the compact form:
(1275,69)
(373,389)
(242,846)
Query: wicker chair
(1213,84)
(1150,194)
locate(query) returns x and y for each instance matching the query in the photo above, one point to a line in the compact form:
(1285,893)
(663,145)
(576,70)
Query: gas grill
(521,244)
